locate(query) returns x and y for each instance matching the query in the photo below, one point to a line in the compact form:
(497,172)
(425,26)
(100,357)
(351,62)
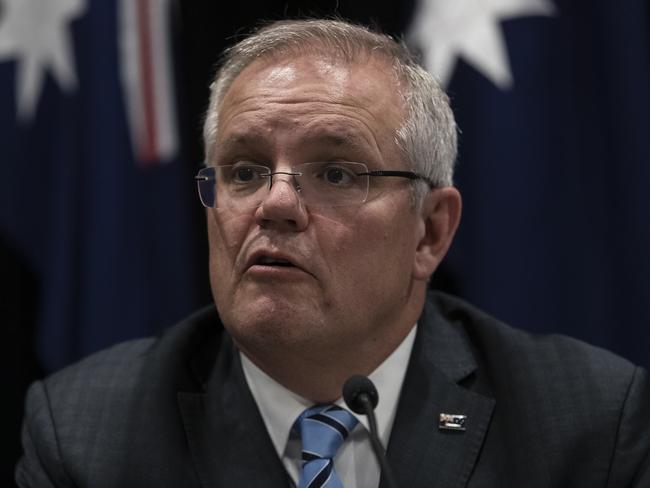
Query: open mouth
(269,261)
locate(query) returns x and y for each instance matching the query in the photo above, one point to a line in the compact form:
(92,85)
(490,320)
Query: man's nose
(282,207)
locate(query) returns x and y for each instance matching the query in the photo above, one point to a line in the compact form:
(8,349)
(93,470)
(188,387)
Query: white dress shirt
(355,463)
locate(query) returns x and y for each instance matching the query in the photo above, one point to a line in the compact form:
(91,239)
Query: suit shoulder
(118,400)
(562,406)
(500,344)
(136,364)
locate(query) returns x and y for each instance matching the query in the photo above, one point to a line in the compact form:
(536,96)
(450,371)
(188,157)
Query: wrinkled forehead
(306,98)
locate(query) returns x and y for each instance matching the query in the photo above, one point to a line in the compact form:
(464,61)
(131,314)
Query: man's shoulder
(140,364)
(562,407)
(491,336)
(519,356)
(121,401)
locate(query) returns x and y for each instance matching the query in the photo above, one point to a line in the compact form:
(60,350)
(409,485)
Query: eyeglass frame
(411,175)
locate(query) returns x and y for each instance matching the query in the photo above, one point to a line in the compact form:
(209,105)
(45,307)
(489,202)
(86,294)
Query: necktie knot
(323,429)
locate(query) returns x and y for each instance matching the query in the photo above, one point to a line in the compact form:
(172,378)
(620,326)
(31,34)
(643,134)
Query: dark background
(554,174)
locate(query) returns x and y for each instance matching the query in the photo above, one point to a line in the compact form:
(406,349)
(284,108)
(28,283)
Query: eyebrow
(257,141)
(337,138)
(241,139)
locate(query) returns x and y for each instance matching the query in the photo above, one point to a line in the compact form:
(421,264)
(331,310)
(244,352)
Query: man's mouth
(271,261)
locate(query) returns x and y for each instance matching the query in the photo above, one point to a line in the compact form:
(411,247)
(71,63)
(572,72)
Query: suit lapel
(226,434)
(422,454)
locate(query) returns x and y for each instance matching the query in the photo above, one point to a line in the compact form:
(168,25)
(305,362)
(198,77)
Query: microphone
(361,397)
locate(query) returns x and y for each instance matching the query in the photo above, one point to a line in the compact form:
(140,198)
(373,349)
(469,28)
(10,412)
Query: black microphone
(361,396)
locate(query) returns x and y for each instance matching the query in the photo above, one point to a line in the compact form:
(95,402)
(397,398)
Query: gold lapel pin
(452,421)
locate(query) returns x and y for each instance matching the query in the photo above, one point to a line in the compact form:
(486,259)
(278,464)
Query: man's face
(350,277)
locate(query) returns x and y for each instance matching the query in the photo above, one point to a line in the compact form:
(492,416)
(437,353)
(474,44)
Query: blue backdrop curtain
(554,173)
(104,224)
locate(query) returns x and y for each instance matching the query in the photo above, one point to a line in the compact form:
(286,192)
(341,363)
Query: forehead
(314,96)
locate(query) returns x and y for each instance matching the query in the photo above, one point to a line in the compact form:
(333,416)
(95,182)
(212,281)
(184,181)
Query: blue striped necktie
(323,429)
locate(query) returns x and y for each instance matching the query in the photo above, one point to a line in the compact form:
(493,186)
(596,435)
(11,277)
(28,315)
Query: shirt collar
(279,406)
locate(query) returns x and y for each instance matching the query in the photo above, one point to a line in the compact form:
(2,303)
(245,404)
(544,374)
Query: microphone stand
(368,410)
(361,396)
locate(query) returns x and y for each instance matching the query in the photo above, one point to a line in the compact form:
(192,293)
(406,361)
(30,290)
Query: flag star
(446,30)
(35,33)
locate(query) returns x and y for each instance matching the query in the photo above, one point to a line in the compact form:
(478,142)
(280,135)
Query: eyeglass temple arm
(401,174)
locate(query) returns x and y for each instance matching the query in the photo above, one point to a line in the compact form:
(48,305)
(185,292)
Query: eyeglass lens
(245,186)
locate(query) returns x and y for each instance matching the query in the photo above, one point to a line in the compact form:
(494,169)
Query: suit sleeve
(631,458)
(41,464)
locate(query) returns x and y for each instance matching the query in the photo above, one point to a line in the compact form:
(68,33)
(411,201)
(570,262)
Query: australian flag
(552,98)
(95,192)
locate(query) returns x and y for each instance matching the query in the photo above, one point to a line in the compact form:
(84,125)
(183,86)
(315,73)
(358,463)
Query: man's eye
(244,174)
(338,176)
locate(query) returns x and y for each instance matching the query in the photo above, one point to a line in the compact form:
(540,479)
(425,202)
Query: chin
(269,323)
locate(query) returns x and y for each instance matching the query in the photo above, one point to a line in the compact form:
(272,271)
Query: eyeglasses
(243,186)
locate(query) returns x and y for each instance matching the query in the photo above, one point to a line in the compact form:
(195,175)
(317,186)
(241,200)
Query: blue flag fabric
(102,222)
(554,168)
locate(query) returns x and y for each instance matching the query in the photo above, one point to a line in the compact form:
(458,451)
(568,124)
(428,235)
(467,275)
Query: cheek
(388,252)
(366,247)
(225,237)
(336,237)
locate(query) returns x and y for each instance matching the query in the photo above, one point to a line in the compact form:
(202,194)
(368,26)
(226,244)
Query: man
(330,203)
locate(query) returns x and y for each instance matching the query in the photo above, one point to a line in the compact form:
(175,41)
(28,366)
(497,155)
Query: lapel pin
(452,421)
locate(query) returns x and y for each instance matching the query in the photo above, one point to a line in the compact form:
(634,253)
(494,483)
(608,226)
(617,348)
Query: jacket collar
(226,435)
(422,453)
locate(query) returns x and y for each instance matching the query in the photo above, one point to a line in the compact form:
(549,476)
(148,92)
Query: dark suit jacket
(176,412)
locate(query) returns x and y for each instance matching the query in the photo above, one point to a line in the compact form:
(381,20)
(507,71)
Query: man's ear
(439,218)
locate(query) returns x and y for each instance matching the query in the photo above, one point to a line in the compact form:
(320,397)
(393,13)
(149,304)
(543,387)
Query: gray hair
(427,136)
